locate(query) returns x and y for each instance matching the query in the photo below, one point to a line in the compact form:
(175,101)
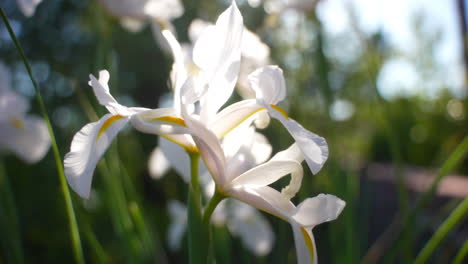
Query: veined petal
(27,137)
(101,90)
(252,227)
(314,147)
(268,84)
(218,52)
(87,147)
(234,115)
(319,209)
(304,241)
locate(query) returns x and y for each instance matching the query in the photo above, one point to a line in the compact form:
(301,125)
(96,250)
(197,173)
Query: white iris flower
(252,187)
(24,135)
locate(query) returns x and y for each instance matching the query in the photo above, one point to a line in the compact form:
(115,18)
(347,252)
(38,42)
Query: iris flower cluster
(235,156)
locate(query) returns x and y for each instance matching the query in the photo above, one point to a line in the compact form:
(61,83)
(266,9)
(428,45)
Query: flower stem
(215,200)
(74,233)
(198,235)
(455,217)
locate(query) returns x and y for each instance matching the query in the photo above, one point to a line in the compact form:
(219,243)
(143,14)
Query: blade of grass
(9,225)
(455,217)
(74,232)
(462,254)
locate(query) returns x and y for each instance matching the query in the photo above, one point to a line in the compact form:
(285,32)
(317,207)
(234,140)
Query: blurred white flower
(134,14)
(24,135)
(28,7)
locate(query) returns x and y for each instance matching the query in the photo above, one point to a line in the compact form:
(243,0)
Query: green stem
(461,255)
(74,233)
(215,200)
(455,217)
(9,224)
(198,234)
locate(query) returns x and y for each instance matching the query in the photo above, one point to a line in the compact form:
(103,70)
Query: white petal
(251,226)
(178,224)
(209,148)
(132,25)
(87,147)
(268,84)
(234,115)
(158,165)
(314,147)
(177,158)
(261,148)
(178,69)
(217,52)
(101,90)
(27,137)
(164,9)
(12,105)
(264,198)
(319,209)
(304,241)
(28,7)
(159,121)
(196,28)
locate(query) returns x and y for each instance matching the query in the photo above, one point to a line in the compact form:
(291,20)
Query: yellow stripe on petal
(309,243)
(280,110)
(171,119)
(108,123)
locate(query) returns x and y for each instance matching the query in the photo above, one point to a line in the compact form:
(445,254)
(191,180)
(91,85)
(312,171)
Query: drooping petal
(283,163)
(101,90)
(234,115)
(159,121)
(304,242)
(263,198)
(261,148)
(88,145)
(314,147)
(209,148)
(28,7)
(178,225)
(218,52)
(319,209)
(268,84)
(27,137)
(251,227)
(177,157)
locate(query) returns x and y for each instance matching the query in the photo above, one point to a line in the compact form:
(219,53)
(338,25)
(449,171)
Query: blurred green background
(392,108)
